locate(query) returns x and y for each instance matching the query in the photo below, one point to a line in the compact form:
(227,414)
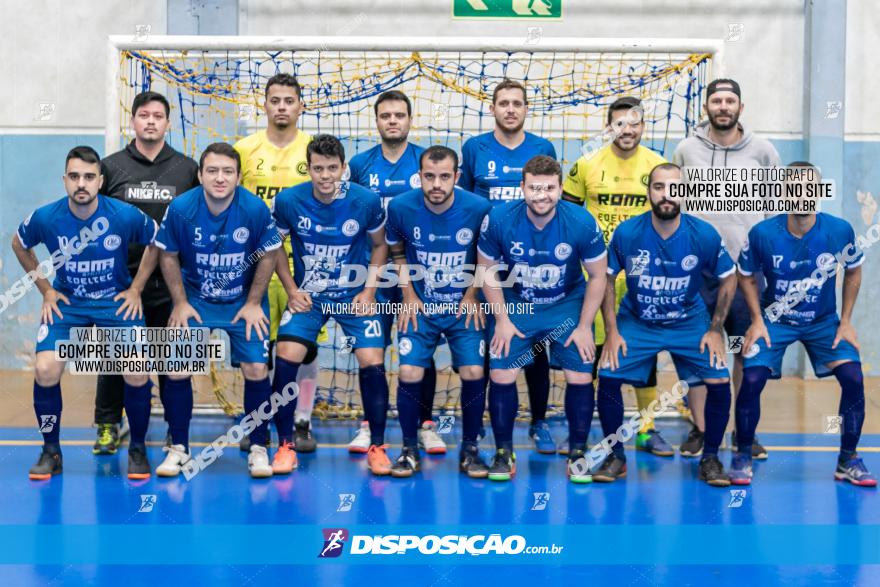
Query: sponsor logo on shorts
(285,318)
(485,224)
(404,346)
(753,350)
(241,235)
(43,332)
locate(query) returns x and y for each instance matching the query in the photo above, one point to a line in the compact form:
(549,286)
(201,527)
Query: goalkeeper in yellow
(613,184)
(272,160)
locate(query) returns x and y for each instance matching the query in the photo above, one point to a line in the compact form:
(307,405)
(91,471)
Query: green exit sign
(536,9)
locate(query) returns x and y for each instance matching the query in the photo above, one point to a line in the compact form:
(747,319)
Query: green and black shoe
(107,442)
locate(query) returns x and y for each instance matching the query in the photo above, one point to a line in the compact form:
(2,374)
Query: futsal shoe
(855,471)
(577,469)
(741,469)
(693,444)
(759,453)
(539,432)
(285,459)
(503,465)
(652,442)
(258,462)
(174,461)
(377,461)
(471,463)
(712,472)
(244,445)
(430,440)
(138,465)
(361,442)
(48,464)
(611,470)
(407,463)
(303,438)
(107,442)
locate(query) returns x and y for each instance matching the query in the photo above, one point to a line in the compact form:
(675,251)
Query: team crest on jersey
(241,235)
(689,262)
(404,346)
(302,168)
(562,251)
(484,226)
(415,181)
(43,332)
(464,236)
(825,261)
(351,227)
(112,242)
(644,179)
(573,171)
(639,263)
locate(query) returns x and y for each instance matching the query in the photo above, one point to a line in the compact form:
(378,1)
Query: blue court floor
(91,526)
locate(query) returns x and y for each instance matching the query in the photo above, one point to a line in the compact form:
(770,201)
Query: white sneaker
(361,442)
(430,440)
(258,462)
(172,465)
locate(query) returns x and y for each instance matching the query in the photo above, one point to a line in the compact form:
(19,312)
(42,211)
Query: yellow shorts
(277,305)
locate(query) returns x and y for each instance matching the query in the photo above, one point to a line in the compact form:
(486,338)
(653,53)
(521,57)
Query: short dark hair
(439,153)
(392,95)
(666,165)
(624,103)
(808,165)
(224,149)
(145,98)
(83,153)
(509,84)
(284,79)
(326,145)
(542,165)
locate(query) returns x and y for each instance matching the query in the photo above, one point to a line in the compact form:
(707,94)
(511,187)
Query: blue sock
(610,402)
(538,383)
(178,402)
(47,407)
(285,372)
(748,406)
(473,404)
(255,394)
(503,404)
(579,403)
(852,405)
(717,415)
(163,379)
(409,397)
(374,395)
(429,386)
(137,407)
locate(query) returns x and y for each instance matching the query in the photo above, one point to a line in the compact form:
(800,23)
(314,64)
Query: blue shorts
(220,316)
(644,340)
(553,324)
(817,338)
(388,295)
(466,345)
(303,327)
(738,317)
(81,313)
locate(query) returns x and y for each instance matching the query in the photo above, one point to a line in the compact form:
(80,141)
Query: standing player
(389,169)
(434,228)
(723,141)
(664,254)
(332,225)
(491,166)
(148,174)
(272,160)
(92,235)
(613,184)
(542,246)
(208,239)
(792,251)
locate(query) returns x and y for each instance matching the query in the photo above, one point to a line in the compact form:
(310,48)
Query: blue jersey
(788,264)
(663,277)
(331,242)
(89,256)
(491,170)
(543,266)
(218,254)
(444,245)
(385,179)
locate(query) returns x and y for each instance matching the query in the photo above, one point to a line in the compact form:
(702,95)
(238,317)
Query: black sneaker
(407,463)
(303,439)
(138,465)
(577,468)
(612,469)
(471,463)
(107,442)
(759,453)
(712,472)
(244,445)
(503,465)
(49,463)
(693,444)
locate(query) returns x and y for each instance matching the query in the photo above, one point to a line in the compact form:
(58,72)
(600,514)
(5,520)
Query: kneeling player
(664,254)
(433,229)
(209,238)
(799,255)
(332,225)
(540,245)
(93,234)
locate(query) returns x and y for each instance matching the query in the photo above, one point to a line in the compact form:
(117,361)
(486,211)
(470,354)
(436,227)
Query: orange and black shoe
(138,465)
(49,464)
(284,460)
(377,461)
